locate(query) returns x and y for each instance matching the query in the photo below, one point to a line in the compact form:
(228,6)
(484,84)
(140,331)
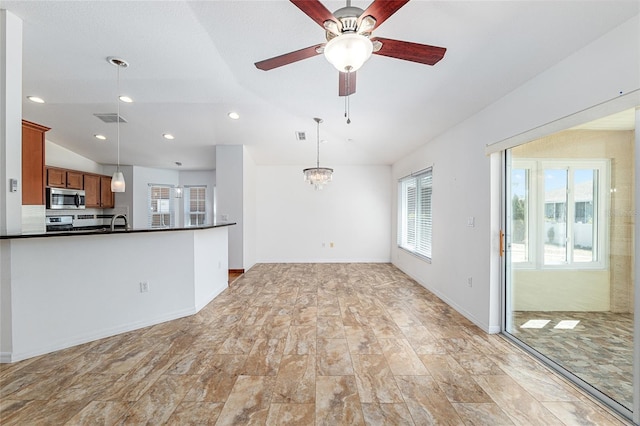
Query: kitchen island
(67,288)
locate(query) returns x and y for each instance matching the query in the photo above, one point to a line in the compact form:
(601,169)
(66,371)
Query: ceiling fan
(350,43)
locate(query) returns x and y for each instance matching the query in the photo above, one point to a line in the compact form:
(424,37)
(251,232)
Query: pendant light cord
(318,144)
(118,116)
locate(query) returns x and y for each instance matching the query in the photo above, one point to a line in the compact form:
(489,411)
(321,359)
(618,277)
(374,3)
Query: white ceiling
(192,62)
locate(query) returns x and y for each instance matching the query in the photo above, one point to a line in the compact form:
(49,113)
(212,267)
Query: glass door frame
(504,181)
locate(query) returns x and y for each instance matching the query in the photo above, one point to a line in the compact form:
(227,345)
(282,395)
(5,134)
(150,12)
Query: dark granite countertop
(105,230)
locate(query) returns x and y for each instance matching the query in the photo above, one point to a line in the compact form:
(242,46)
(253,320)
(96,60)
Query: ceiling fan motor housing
(348,17)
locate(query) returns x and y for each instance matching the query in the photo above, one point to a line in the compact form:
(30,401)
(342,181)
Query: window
(414,213)
(161,213)
(558,213)
(195,205)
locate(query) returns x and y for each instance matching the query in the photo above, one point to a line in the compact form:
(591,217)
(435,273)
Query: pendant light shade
(117,180)
(318,176)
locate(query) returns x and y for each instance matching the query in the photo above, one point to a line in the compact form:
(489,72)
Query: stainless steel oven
(59,198)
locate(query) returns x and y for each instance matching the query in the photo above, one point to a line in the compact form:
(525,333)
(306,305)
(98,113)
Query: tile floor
(301,344)
(599,349)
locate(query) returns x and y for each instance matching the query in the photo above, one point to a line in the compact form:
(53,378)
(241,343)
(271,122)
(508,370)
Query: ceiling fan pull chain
(347,105)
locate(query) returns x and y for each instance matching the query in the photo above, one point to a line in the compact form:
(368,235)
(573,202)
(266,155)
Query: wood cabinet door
(106,196)
(92,191)
(56,178)
(74,180)
(33,179)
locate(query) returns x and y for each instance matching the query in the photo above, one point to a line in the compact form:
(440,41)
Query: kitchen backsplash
(90,217)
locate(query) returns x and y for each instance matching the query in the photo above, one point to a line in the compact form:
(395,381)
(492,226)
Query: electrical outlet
(470,282)
(144,286)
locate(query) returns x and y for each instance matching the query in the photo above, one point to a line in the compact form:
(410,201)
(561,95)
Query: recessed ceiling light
(168,136)
(126,99)
(233,115)
(101,137)
(35,99)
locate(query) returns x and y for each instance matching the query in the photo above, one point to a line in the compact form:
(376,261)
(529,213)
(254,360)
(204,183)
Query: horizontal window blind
(196,205)
(415,222)
(161,210)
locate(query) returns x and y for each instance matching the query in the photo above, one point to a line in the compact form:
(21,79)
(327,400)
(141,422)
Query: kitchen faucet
(113,221)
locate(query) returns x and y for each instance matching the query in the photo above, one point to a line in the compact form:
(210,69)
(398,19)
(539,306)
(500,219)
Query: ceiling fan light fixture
(348,52)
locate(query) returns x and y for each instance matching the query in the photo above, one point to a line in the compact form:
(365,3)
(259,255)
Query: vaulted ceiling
(192,62)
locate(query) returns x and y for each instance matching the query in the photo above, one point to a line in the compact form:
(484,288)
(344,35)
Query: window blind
(196,205)
(161,209)
(415,222)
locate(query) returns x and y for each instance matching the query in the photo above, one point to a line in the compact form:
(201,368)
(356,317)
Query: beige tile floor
(300,344)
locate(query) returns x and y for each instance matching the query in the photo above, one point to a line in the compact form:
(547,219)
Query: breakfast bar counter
(67,288)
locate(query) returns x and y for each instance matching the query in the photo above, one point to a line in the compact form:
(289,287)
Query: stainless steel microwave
(59,198)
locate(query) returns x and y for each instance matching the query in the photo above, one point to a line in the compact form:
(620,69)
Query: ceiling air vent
(110,117)
(301,136)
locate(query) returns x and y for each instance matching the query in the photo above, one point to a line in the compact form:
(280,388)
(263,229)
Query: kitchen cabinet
(92,191)
(98,191)
(106,196)
(75,180)
(61,178)
(33,169)
(56,178)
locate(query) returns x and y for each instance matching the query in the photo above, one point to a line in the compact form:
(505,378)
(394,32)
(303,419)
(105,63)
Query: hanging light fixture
(348,52)
(117,180)
(318,176)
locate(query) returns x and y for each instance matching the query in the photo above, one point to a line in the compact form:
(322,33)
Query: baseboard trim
(9,357)
(236,271)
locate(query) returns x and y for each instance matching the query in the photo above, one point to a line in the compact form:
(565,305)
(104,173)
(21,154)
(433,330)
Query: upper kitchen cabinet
(106,196)
(98,191)
(33,170)
(61,178)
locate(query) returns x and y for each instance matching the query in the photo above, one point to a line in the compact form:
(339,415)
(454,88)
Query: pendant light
(318,176)
(117,180)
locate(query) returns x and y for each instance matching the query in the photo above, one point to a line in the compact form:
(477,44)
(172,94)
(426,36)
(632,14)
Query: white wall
(53,309)
(463,176)
(294,220)
(229,198)
(249,210)
(10,122)
(57,156)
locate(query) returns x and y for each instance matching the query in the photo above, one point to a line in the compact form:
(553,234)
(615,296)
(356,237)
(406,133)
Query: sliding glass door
(570,258)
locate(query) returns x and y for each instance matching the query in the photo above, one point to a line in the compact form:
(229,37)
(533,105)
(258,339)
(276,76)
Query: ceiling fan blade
(346,83)
(414,52)
(288,58)
(383,9)
(315,10)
